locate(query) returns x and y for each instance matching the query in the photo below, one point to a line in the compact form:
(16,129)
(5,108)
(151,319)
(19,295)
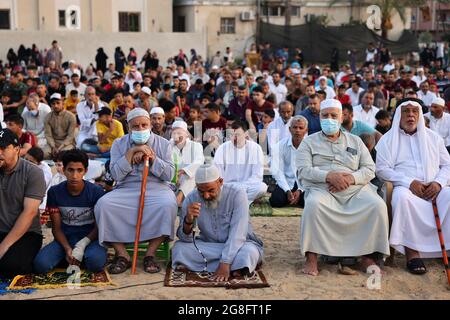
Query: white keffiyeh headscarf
(388,146)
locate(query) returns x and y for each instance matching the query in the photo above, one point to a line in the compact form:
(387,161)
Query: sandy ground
(282,268)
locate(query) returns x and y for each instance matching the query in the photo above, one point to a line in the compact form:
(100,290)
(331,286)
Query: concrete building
(81,26)
(433,17)
(234,22)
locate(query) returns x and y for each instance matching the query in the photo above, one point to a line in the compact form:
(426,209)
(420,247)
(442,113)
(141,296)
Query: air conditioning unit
(247,16)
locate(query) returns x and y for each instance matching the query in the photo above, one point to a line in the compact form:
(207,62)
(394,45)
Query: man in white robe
(87,114)
(116,212)
(439,119)
(227,243)
(415,160)
(241,162)
(343,215)
(188,156)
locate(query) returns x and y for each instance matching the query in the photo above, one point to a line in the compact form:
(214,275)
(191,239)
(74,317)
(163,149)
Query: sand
(282,268)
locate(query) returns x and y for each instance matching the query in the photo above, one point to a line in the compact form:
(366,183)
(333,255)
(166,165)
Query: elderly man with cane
(415,160)
(116,213)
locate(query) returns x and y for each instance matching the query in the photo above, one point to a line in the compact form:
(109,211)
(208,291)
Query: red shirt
(258,111)
(344,99)
(221,124)
(27,137)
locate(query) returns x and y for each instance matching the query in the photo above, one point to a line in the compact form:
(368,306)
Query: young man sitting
(71,208)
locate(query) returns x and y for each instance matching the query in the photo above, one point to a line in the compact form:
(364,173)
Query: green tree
(388,9)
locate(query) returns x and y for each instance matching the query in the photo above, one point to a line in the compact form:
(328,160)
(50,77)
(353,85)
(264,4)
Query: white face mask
(34,112)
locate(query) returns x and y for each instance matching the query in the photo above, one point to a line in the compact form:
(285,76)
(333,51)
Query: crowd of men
(211,133)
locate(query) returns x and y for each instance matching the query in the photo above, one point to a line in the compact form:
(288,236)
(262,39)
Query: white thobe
(189,159)
(441,126)
(427,98)
(366,116)
(354,96)
(413,223)
(86,116)
(243,167)
(280,91)
(329,91)
(277,131)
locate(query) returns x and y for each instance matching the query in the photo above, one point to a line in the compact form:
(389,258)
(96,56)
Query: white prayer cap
(330,103)
(157,110)
(137,112)
(248,70)
(56,96)
(419,69)
(214,67)
(439,101)
(179,124)
(323,78)
(147,91)
(207,173)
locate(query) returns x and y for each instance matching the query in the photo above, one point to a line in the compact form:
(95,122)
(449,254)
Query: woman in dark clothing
(101,60)
(120,59)
(12,58)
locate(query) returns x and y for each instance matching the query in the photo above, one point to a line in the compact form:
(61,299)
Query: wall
(82,46)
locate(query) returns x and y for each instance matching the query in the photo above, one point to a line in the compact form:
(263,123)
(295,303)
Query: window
(275,11)
(180,24)
(227,25)
(129,22)
(295,11)
(4,20)
(62,18)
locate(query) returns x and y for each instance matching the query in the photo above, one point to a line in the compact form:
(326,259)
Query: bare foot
(311,265)
(366,263)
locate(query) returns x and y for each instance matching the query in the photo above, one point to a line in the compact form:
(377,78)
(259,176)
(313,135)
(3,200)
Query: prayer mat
(186,278)
(4,284)
(59,278)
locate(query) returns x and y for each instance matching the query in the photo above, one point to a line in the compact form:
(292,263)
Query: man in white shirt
(439,119)
(279,128)
(241,162)
(277,88)
(75,84)
(366,111)
(420,77)
(390,66)
(283,167)
(354,93)
(86,111)
(73,69)
(425,94)
(323,86)
(415,160)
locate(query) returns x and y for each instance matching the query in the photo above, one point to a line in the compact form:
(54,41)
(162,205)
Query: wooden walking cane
(140,214)
(441,240)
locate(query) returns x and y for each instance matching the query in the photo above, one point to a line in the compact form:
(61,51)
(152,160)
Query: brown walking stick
(140,214)
(441,240)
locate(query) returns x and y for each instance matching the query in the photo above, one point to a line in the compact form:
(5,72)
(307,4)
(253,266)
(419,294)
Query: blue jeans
(95,256)
(90,148)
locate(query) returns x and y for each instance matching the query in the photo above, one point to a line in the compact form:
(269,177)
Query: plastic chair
(162,252)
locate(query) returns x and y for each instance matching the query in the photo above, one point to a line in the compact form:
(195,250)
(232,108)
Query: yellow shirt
(113,105)
(71,105)
(116,133)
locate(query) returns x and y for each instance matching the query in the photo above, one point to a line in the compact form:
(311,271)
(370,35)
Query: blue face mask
(330,126)
(140,137)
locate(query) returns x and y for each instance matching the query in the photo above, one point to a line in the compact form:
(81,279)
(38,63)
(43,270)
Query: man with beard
(356,127)
(226,239)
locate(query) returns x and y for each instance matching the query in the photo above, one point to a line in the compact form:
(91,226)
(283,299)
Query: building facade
(433,17)
(82,26)
(234,23)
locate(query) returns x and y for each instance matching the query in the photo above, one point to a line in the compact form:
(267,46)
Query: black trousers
(279,198)
(18,260)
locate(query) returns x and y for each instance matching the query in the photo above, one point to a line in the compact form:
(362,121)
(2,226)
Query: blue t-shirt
(313,121)
(75,210)
(360,127)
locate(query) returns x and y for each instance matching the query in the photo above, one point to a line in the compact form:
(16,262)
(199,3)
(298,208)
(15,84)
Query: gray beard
(213,204)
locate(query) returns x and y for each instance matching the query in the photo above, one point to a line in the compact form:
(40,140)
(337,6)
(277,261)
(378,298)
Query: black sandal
(119,265)
(416,266)
(150,266)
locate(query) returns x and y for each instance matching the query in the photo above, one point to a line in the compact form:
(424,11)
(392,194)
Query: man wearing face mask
(343,216)
(34,118)
(188,156)
(116,213)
